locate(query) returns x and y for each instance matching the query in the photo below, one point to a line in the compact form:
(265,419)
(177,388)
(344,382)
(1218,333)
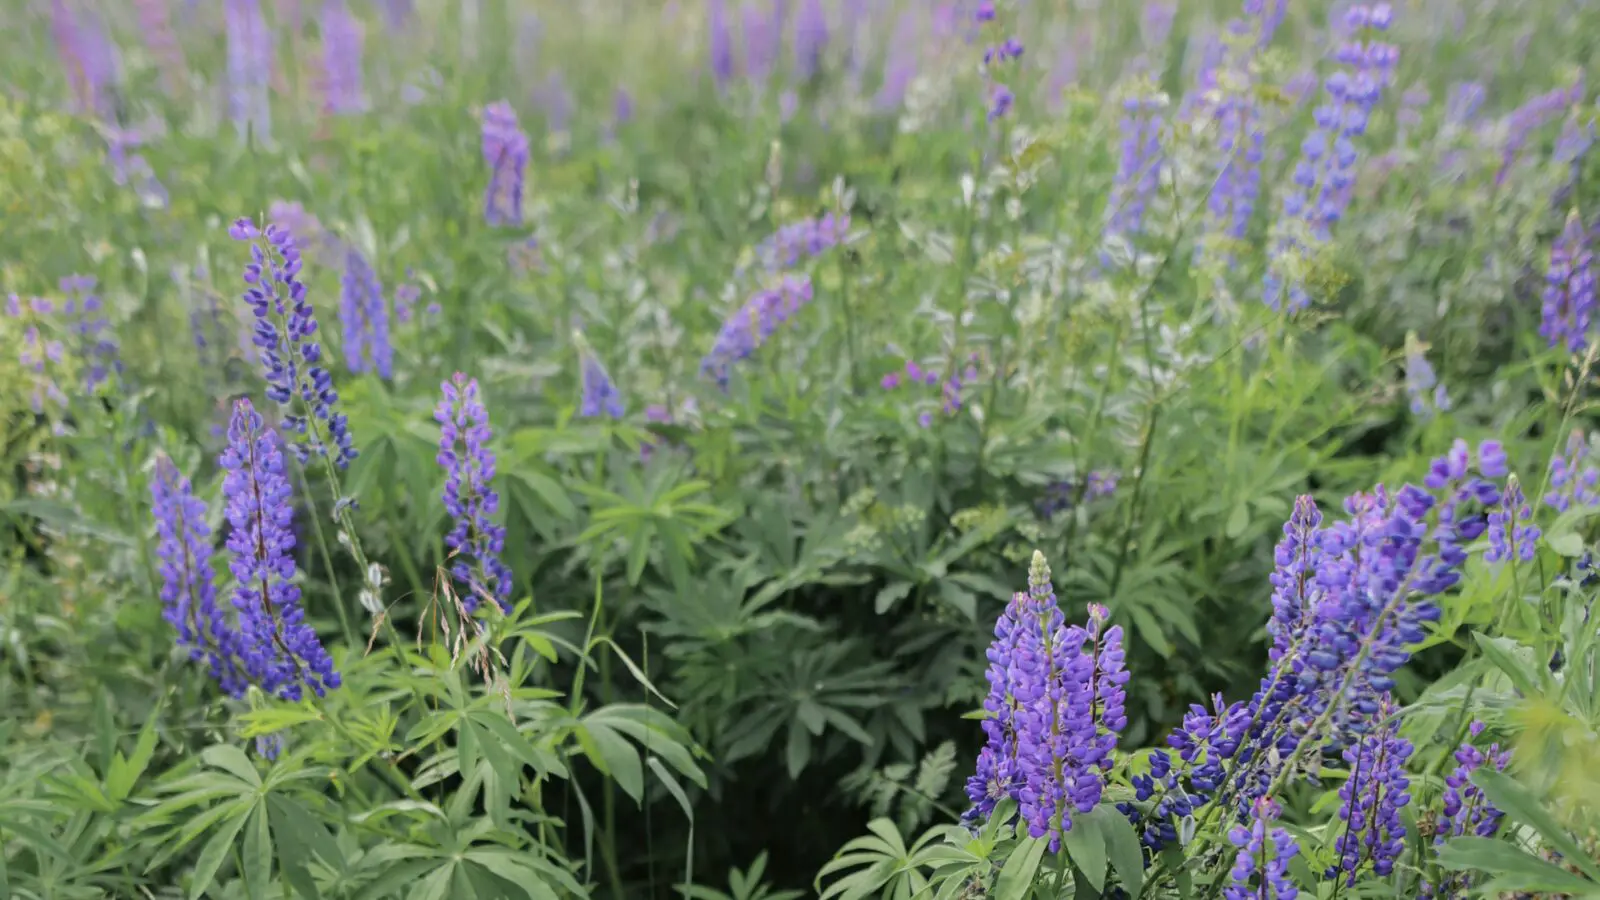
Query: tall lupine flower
(1240,131)
(505,149)
(1569,289)
(162,42)
(475,542)
(188,589)
(94,343)
(1511,534)
(285,325)
(88,56)
(786,247)
(899,64)
(341,60)
(1138,167)
(810,38)
(1372,797)
(763,39)
(1054,708)
(397,14)
(70,47)
(1061,496)
(1423,387)
(600,394)
(278,650)
(1574,477)
(1155,22)
(1000,97)
(1465,810)
(753,323)
(719,42)
(1326,172)
(364,318)
(1261,867)
(249,68)
(1527,119)
(1463,102)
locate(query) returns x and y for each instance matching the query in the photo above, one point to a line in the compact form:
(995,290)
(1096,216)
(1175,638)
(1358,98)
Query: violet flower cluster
(1350,598)
(1138,166)
(810,38)
(87,55)
(188,585)
(285,325)
(250,54)
(1055,706)
(475,542)
(94,343)
(720,42)
(1261,866)
(1511,534)
(1061,496)
(1574,475)
(808,238)
(753,324)
(505,150)
(364,318)
(1000,97)
(341,60)
(277,649)
(950,386)
(162,42)
(1569,289)
(38,353)
(1465,810)
(599,393)
(1372,798)
(1325,174)
(1425,391)
(1527,119)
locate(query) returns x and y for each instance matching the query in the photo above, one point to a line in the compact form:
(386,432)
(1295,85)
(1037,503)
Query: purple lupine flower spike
(249,68)
(1325,176)
(95,343)
(1568,306)
(1373,795)
(810,37)
(1261,867)
(1511,535)
(1138,167)
(1465,810)
(475,542)
(1574,475)
(505,149)
(284,332)
(600,394)
(364,318)
(188,589)
(341,64)
(280,652)
(163,43)
(720,42)
(754,323)
(786,247)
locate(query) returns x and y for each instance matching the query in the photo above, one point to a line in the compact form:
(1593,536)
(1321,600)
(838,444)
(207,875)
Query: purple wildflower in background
(94,342)
(269,746)
(810,38)
(1138,167)
(600,394)
(555,99)
(397,14)
(753,324)
(188,589)
(163,43)
(505,149)
(719,42)
(475,542)
(406,296)
(1426,392)
(1372,797)
(278,650)
(1574,477)
(1325,175)
(1527,119)
(341,60)
(38,352)
(1155,22)
(1465,811)
(364,317)
(1261,867)
(1567,310)
(285,325)
(1463,102)
(763,38)
(899,64)
(1000,97)
(1510,532)
(1061,496)
(302,223)
(249,68)
(786,247)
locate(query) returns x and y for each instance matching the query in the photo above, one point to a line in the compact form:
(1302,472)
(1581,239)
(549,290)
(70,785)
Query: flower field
(763,449)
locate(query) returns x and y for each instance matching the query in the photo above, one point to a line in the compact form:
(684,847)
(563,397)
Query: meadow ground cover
(752,449)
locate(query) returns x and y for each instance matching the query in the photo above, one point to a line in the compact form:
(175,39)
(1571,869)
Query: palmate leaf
(883,865)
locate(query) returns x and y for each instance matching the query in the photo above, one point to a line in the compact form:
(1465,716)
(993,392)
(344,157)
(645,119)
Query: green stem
(327,560)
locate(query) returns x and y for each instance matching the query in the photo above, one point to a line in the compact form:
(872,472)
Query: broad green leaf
(1016,877)
(233,761)
(1498,858)
(1122,847)
(257,854)
(1509,796)
(124,773)
(611,753)
(213,854)
(1087,849)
